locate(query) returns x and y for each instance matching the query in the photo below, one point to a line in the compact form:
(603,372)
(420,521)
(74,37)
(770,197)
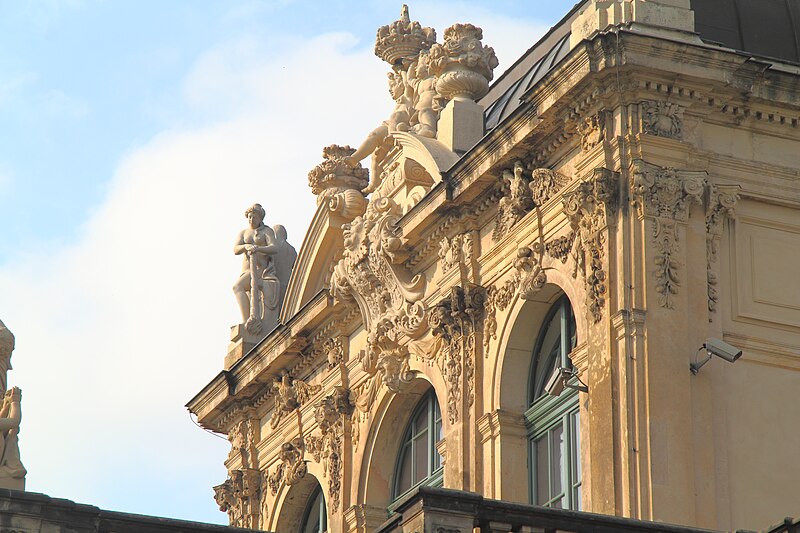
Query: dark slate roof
(765,28)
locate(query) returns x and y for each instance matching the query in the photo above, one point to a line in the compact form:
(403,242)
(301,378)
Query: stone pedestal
(12,483)
(241,343)
(460,124)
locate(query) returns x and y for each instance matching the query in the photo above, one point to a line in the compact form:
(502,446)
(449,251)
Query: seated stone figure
(12,473)
(266,267)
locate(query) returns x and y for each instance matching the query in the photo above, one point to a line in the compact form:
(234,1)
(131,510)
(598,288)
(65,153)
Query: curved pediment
(429,153)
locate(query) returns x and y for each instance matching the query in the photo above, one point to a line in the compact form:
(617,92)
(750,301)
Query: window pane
(576,447)
(556,459)
(313,516)
(421,422)
(404,476)
(542,484)
(548,356)
(421,454)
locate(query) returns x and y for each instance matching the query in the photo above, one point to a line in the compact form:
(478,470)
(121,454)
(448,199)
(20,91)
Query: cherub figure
(426,101)
(291,395)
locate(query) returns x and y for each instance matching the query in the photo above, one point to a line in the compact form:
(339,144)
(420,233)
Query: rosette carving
(388,297)
(339,182)
(462,64)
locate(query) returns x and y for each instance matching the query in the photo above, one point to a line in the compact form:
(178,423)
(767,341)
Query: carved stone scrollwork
(590,208)
(456,250)
(663,119)
(722,202)
(592,131)
(291,395)
(339,182)
(292,467)
(456,322)
(665,196)
(388,297)
(331,413)
(560,247)
(240,496)
(335,350)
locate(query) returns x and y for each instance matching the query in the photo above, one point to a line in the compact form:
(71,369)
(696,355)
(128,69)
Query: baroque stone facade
(639,197)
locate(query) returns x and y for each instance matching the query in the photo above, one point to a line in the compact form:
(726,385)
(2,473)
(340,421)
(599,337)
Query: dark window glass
(315,519)
(419,461)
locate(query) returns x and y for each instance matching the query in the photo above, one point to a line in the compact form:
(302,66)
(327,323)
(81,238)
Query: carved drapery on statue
(388,297)
(664,196)
(12,473)
(590,208)
(332,414)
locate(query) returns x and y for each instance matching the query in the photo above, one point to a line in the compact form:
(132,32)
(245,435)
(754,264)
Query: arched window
(553,422)
(315,517)
(419,461)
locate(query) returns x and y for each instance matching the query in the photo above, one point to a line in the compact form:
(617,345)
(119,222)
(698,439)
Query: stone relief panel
(663,119)
(590,208)
(664,195)
(721,205)
(592,130)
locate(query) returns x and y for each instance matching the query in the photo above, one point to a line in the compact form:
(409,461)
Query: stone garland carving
(589,209)
(665,195)
(388,297)
(456,321)
(339,181)
(292,467)
(529,277)
(722,202)
(331,413)
(521,194)
(243,437)
(241,497)
(455,250)
(560,247)
(663,119)
(592,131)
(291,394)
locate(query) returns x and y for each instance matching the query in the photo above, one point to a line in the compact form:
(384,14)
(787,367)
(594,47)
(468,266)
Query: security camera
(555,385)
(722,349)
(716,347)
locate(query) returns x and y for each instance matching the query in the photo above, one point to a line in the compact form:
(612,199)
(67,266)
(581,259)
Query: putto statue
(12,473)
(266,267)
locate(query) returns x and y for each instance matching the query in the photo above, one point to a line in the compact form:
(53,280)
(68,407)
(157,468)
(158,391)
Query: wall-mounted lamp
(560,381)
(716,347)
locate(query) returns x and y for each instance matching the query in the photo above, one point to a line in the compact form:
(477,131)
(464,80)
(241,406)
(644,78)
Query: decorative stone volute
(401,41)
(339,182)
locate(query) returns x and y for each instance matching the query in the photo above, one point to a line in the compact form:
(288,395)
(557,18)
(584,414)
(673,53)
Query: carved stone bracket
(590,209)
(721,205)
(663,119)
(331,414)
(388,297)
(665,195)
(241,496)
(292,467)
(457,322)
(521,194)
(244,436)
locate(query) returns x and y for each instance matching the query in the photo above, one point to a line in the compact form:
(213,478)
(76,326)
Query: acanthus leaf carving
(665,195)
(722,202)
(590,208)
(388,297)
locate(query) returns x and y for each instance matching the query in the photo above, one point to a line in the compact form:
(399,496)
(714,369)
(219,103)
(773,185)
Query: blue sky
(134,136)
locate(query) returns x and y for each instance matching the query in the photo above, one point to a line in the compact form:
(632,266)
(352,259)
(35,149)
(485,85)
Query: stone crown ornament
(334,174)
(463,65)
(403,40)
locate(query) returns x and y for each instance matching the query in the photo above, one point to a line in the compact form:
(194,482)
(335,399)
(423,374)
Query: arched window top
(556,340)
(418,461)
(315,517)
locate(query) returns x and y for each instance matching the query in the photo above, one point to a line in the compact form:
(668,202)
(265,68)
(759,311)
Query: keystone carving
(665,195)
(722,202)
(331,413)
(240,496)
(338,181)
(662,119)
(590,208)
(291,394)
(292,467)
(456,322)
(388,297)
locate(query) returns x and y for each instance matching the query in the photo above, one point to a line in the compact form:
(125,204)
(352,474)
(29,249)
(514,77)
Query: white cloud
(116,332)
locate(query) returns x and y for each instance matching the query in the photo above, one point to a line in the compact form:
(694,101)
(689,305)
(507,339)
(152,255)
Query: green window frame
(553,422)
(418,461)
